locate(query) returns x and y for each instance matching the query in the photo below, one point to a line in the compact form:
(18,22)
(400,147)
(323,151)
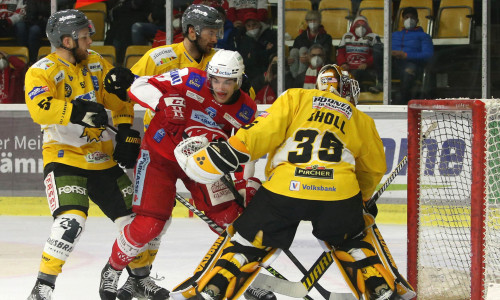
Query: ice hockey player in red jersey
(187,102)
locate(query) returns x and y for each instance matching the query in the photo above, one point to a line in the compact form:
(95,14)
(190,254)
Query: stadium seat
(106,51)
(133,54)
(298,4)
(99,6)
(44,51)
(454,22)
(335,17)
(97,12)
(21,52)
(425,14)
(373,10)
(367,98)
(294,22)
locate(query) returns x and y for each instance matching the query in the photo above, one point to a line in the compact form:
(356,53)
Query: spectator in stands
(266,85)
(358,53)
(314,34)
(238,10)
(122,15)
(411,49)
(12,71)
(298,61)
(12,13)
(256,46)
(307,79)
(144,32)
(228,42)
(37,15)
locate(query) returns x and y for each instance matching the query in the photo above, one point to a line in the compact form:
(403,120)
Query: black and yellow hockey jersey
(320,147)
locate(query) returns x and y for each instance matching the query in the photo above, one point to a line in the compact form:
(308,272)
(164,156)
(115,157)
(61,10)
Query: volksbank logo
(320,188)
(314,171)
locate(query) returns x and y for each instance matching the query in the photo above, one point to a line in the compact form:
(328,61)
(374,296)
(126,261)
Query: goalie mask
(334,79)
(227,64)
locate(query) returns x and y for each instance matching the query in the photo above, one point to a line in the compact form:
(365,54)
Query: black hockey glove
(372,210)
(117,81)
(88,114)
(128,144)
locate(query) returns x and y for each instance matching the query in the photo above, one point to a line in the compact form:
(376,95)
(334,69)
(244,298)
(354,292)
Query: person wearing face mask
(315,33)
(307,79)
(256,45)
(12,71)
(356,53)
(412,48)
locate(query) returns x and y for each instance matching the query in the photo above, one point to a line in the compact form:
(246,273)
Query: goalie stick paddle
(220,230)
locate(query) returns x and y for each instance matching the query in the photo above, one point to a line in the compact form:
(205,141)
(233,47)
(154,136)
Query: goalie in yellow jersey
(325,158)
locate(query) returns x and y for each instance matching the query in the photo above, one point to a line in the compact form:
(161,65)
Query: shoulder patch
(95,67)
(195,81)
(162,55)
(59,76)
(43,64)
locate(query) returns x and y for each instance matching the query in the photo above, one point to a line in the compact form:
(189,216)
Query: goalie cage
(454,198)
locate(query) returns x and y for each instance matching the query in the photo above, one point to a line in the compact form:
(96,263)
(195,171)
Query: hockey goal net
(453,198)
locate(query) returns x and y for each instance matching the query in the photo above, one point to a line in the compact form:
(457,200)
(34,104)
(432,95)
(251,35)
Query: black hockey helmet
(202,16)
(67,23)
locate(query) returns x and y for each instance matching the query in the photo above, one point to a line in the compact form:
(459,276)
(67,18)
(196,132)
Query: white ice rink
(184,244)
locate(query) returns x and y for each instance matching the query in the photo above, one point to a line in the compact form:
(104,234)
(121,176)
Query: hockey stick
(220,230)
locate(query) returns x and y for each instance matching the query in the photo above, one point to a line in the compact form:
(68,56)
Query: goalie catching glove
(207,162)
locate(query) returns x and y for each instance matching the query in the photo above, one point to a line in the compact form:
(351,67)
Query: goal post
(453,198)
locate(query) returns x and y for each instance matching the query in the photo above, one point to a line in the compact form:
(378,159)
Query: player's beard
(80,54)
(202,49)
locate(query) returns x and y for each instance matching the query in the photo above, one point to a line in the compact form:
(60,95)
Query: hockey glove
(128,144)
(88,114)
(117,81)
(247,188)
(372,210)
(175,115)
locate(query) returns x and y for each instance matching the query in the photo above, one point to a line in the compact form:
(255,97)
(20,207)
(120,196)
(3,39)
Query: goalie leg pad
(365,258)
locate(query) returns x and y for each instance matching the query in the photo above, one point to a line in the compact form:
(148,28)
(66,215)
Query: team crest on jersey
(92,134)
(245,113)
(332,104)
(43,64)
(162,56)
(195,81)
(84,71)
(95,82)
(59,77)
(67,90)
(194,96)
(37,90)
(314,171)
(212,112)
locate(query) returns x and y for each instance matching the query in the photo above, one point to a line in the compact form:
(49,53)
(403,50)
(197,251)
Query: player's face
(207,39)
(84,42)
(223,88)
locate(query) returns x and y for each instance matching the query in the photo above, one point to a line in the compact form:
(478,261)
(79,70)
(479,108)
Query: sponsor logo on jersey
(212,112)
(175,78)
(203,118)
(194,96)
(232,120)
(72,189)
(159,135)
(59,244)
(60,153)
(294,185)
(95,82)
(67,90)
(245,113)
(37,90)
(129,190)
(163,55)
(332,104)
(140,176)
(195,81)
(219,193)
(320,188)
(314,172)
(70,78)
(43,64)
(95,67)
(90,96)
(50,191)
(97,157)
(59,77)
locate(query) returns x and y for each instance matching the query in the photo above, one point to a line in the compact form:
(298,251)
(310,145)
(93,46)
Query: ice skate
(146,288)
(109,282)
(41,291)
(258,294)
(382,291)
(126,292)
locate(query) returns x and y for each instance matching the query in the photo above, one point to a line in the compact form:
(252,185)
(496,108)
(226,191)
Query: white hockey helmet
(334,79)
(228,64)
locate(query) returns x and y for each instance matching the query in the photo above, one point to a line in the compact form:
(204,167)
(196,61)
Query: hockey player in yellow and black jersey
(325,158)
(65,95)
